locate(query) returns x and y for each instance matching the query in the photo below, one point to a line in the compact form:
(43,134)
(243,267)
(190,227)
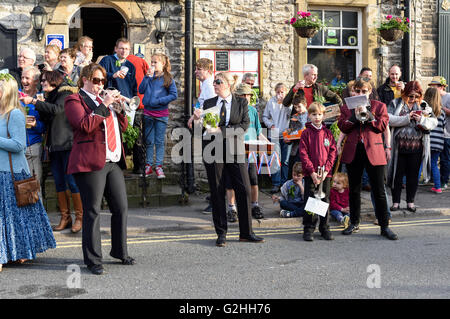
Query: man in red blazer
(96,162)
(364,148)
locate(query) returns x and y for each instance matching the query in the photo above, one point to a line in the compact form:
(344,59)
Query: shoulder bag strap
(9,153)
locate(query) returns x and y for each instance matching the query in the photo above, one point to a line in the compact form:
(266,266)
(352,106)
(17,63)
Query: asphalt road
(188,265)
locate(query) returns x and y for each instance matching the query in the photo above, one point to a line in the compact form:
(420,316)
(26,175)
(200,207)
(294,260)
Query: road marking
(235,234)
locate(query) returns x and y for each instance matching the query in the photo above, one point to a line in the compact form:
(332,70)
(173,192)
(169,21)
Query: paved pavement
(190,217)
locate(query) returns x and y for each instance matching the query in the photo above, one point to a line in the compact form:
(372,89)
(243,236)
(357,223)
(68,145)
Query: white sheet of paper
(316,206)
(354,101)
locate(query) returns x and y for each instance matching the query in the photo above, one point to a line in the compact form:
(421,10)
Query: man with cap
(440,83)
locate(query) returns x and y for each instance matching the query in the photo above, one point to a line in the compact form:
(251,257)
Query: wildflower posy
(392,22)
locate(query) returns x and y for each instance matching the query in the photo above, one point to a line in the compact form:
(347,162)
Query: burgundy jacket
(89,147)
(371,133)
(317,148)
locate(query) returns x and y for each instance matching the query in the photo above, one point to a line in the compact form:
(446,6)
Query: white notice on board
(251,61)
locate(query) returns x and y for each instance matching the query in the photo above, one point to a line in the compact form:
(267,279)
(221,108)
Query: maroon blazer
(371,133)
(89,147)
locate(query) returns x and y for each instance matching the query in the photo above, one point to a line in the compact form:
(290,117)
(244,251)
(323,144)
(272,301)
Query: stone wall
(255,24)
(423,40)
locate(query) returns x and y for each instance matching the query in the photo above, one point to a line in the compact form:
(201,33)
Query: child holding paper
(317,153)
(291,201)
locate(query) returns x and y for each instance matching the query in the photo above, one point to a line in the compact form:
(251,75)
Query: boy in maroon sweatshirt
(317,149)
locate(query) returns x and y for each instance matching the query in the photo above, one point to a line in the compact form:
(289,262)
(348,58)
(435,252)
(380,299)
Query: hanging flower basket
(306,32)
(306,24)
(391,34)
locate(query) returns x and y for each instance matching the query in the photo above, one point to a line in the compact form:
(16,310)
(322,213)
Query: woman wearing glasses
(234,119)
(96,161)
(59,141)
(364,149)
(84,49)
(411,121)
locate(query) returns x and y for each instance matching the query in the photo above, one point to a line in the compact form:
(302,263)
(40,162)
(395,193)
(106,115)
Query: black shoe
(252,238)
(221,240)
(232,216)
(96,269)
(257,213)
(207,210)
(394,208)
(308,236)
(128,261)
(411,209)
(275,189)
(352,228)
(125,261)
(326,234)
(388,233)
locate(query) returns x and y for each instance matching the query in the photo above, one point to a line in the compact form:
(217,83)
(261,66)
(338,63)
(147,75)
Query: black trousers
(407,165)
(109,182)
(239,179)
(310,221)
(376,179)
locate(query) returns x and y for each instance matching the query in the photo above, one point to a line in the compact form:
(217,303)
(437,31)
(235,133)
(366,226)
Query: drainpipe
(188,168)
(406,47)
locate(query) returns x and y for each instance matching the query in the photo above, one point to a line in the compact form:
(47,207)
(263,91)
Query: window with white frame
(336,50)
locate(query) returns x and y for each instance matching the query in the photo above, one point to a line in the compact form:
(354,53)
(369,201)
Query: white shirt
(227,106)
(206,91)
(110,156)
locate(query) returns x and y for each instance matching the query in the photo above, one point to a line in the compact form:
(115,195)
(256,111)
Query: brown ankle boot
(66,220)
(78,207)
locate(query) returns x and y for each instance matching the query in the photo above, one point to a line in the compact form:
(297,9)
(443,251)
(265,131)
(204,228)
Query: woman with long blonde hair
(433,98)
(159,89)
(24,231)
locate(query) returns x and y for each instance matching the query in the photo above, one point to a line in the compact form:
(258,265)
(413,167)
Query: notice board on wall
(235,61)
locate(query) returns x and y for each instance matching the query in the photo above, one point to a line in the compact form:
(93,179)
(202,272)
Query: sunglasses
(361,91)
(414,96)
(98,80)
(218,82)
(43,80)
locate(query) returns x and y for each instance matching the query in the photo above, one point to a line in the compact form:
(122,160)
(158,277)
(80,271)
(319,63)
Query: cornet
(128,104)
(318,192)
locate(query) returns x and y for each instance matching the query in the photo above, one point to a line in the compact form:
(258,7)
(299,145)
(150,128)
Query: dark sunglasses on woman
(98,80)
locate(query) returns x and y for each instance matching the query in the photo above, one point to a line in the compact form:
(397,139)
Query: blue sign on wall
(56,39)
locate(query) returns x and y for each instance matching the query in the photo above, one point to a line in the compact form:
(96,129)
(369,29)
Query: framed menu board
(235,61)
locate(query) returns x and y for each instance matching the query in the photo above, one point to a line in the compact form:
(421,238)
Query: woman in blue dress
(24,231)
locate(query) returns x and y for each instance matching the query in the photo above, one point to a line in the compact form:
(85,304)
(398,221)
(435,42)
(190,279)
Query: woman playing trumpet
(96,161)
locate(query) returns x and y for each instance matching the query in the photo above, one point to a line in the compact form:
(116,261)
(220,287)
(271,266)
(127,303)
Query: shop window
(336,50)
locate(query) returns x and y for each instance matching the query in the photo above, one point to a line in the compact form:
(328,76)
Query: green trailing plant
(130,135)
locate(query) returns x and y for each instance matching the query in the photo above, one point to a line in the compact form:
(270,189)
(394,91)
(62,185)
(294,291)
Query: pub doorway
(104,25)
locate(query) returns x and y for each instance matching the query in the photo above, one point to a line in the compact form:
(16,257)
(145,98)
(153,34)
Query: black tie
(223,114)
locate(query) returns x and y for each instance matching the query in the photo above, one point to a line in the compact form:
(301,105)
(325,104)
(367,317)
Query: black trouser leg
(310,220)
(91,186)
(354,171)
(376,179)
(214,172)
(116,197)
(240,181)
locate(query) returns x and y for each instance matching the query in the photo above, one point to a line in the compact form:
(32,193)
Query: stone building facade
(238,25)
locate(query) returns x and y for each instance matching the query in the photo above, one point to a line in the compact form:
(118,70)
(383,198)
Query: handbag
(27,190)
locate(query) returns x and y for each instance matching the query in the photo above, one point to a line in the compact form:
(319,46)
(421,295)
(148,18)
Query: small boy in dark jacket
(317,153)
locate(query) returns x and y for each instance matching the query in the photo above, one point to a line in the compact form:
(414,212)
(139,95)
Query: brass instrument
(318,192)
